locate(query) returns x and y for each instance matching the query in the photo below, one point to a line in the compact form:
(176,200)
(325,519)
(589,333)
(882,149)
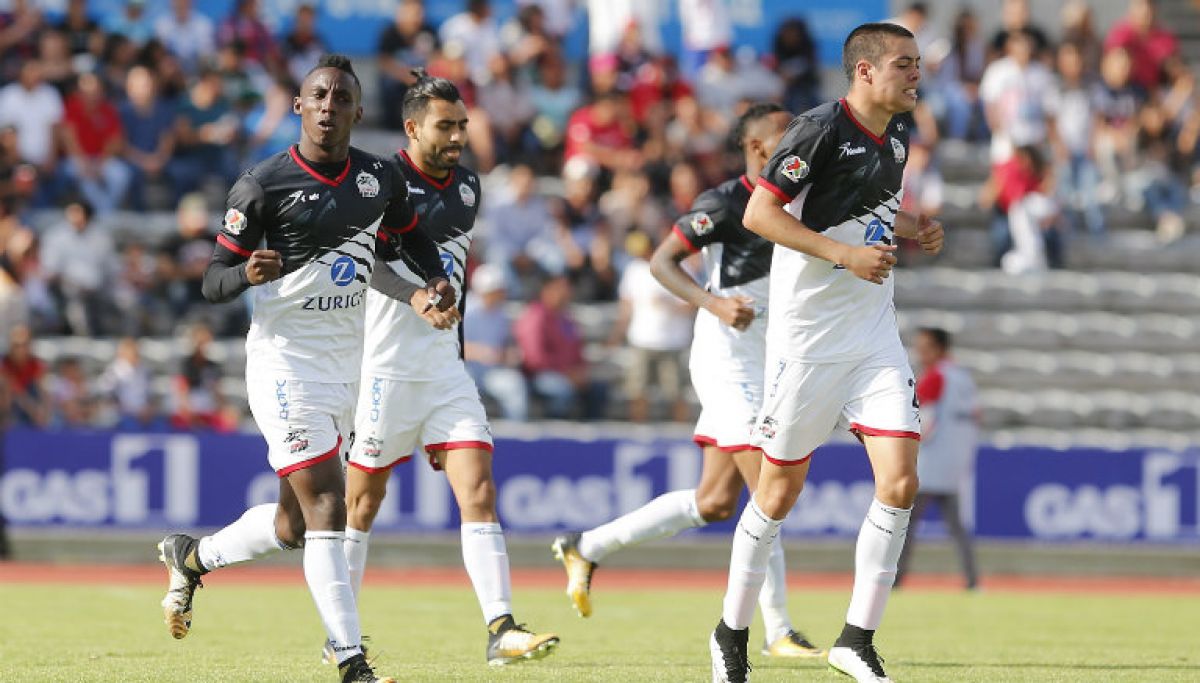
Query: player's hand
(930,234)
(263,265)
(431,312)
(872,263)
(735,311)
(440,295)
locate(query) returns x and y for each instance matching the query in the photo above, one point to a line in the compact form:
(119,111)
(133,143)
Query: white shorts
(304,423)
(874,396)
(395,417)
(726,367)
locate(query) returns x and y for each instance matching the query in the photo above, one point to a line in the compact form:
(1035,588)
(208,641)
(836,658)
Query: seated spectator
(506,101)
(630,205)
(405,44)
(695,133)
(1158,177)
(132,23)
(1015,18)
(1078,28)
(245,27)
(475,30)
(658,327)
(94,138)
(242,81)
(524,39)
(21,257)
(552,355)
(78,27)
(139,295)
(490,351)
(1117,101)
(1148,44)
(187,254)
(601,133)
(79,261)
(797,63)
(1020,191)
(953,89)
(553,99)
(127,383)
(728,79)
(14,310)
(198,401)
(25,377)
(35,109)
(149,123)
(272,125)
(585,237)
(1018,94)
(205,132)
(58,64)
(118,56)
(519,238)
(20,25)
(188,34)
(303,47)
(70,397)
(1076,117)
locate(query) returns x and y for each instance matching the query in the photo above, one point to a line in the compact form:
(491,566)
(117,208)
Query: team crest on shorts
(368,185)
(768,427)
(372,447)
(795,168)
(702,224)
(898,151)
(297,440)
(235,221)
(467,194)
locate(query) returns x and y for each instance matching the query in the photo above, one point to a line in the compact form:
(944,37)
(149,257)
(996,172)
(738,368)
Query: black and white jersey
(400,344)
(838,179)
(308,324)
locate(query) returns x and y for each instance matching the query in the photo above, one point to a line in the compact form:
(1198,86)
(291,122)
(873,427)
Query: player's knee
(362,507)
(289,528)
(477,501)
(777,497)
(899,491)
(328,510)
(715,507)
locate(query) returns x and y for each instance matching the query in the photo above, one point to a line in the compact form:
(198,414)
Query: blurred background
(1057,142)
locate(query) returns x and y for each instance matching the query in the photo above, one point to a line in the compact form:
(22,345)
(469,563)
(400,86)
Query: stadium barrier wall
(135,481)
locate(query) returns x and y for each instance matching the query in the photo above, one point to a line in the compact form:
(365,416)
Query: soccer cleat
(861,662)
(329,657)
(794,644)
(510,642)
(579,572)
(730,659)
(357,670)
(183,581)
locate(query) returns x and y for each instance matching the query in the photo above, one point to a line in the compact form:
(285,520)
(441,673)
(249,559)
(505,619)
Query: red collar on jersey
(439,184)
(328,181)
(850,115)
(746,184)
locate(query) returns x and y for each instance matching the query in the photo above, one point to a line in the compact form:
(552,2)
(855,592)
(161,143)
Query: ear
(358,114)
(410,128)
(296,105)
(865,71)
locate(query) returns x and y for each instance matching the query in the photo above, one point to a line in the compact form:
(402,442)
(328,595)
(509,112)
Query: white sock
(486,558)
(664,516)
(752,541)
(250,537)
(329,581)
(879,544)
(357,543)
(772,600)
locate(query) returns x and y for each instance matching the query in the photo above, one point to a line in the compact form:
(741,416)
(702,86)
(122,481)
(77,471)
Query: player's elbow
(755,215)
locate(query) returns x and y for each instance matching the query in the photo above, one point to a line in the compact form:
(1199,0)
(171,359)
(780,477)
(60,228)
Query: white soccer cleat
(863,663)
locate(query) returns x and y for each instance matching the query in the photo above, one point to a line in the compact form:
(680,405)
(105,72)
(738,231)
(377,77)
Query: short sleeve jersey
(400,344)
(736,261)
(308,324)
(842,181)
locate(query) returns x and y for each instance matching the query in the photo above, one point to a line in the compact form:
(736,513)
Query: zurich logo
(875,233)
(448,264)
(342,271)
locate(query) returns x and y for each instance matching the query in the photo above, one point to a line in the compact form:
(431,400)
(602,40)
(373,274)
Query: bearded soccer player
(324,208)
(829,199)
(415,390)
(727,373)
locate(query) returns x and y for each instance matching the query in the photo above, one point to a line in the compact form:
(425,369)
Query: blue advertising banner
(155,481)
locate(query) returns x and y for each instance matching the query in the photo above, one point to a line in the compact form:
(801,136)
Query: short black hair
(863,43)
(939,336)
(753,113)
(419,94)
(335,61)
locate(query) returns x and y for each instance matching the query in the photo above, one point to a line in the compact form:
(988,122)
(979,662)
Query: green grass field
(247,633)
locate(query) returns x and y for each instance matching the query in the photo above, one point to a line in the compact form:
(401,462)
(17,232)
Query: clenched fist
(930,234)
(263,265)
(872,263)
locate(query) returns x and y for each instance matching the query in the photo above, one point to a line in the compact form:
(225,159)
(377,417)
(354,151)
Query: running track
(617,578)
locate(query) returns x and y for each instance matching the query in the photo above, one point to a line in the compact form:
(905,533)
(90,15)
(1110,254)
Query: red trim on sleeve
(382,234)
(412,224)
(304,165)
(871,431)
(703,441)
(931,385)
(439,184)
(746,184)
(850,115)
(770,187)
(232,246)
(376,470)
(787,463)
(675,229)
(304,464)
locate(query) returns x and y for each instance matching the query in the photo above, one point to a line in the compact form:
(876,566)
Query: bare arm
(665,265)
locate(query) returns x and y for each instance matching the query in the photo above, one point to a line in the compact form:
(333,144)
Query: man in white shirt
(35,109)
(1019,97)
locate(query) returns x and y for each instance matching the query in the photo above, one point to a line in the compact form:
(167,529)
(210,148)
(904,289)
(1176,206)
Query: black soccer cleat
(730,657)
(510,642)
(357,670)
(182,582)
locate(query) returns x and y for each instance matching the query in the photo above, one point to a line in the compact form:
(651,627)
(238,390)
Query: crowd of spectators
(157,110)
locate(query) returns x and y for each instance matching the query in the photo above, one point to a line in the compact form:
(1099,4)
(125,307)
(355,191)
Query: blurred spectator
(21,255)
(953,91)
(132,23)
(25,376)
(1117,102)
(949,434)
(138,294)
(205,131)
(58,64)
(303,46)
(924,188)
(1015,18)
(172,79)
(524,39)
(552,354)
(1024,233)
(188,252)
(600,134)
(685,186)
(407,43)
(93,138)
(1148,44)
(242,81)
(1158,177)
(726,80)
(127,383)
(78,27)
(189,35)
(797,63)
(244,27)
(80,263)
(71,402)
(695,133)
(117,58)
(475,31)
(35,109)
(658,327)
(915,18)
(519,238)
(1018,94)
(1078,28)
(14,311)
(20,26)
(198,401)
(629,205)
(271,126)
(559,15)
(609,20)
(149,124)
(1078,177)
(706,27)
(490,351)
(554,99)
(585,238)
(507,103)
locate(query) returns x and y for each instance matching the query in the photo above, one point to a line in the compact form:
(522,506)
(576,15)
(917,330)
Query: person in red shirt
(1024,228)
(599,133)
(25,374)
(1149,45)
(93,137)
(552,353)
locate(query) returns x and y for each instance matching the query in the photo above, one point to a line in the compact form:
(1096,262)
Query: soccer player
(322,207)
(415,389)
(727,372)
(829,199)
